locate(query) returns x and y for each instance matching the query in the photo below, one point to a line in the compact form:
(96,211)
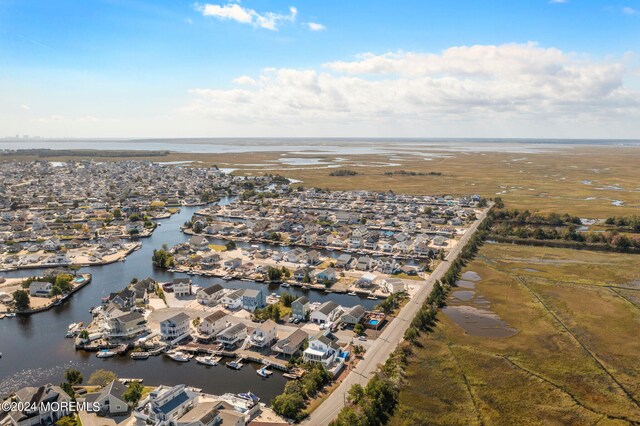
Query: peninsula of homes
(91,213)
(357,241)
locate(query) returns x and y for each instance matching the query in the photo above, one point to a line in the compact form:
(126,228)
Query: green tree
(66,421)
(230,245)
(288,405)
(358,329)
(22,300)
(133,393)
(117,213)
(355,394)
(73,376)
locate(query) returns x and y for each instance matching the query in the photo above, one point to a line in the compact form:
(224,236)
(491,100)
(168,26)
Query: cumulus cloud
(244,79)
(314,26)
(558,1)
(468,85)
(629,10)
(243,15)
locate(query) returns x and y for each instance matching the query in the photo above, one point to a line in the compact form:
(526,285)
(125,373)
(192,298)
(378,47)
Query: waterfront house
(302,272)
(213,324)
(300,308)
(364,263)
(233,299)
(232,335)
(40,288)
(209,295)
(312,257)
(367,279)
(327,312)
(296,255)
(344,261)
(353,315)
(206,413)
(126,325)
(253,299)
(327,275)
(175,327)
(322,348)
(111,399)
(164,405)
(182,286)
(125,299)
(199,243)
(231,264)
(46,405)
(387,265)
(393,285)
(264,334)
(141,290)
(291,344)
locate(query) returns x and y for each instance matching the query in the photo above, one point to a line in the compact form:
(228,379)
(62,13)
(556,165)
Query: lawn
(562,367)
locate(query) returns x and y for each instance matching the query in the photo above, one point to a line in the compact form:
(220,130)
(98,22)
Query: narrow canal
(34,350)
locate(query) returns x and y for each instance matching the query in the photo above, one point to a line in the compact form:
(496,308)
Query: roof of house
(212,289)
(327,307)
(303,300)
(356,311)
(293,340)
(178,318)
(217,315)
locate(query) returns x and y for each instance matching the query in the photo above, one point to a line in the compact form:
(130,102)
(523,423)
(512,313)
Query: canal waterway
(34,350)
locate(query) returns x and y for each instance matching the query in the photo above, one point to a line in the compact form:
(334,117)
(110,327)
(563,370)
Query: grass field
(580,181)
(574,360)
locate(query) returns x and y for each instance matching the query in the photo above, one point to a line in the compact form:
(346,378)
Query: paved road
(388,340)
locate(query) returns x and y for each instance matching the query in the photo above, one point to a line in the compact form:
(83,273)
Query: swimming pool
(374,322)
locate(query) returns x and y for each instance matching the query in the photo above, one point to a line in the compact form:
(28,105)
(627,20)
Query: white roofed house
(164,405)
(264,334)
(322,348)
(175,327)
(233,299)
(327,275)
(327,312)
(367,279)
(393,285)
(40,288)
(209,295)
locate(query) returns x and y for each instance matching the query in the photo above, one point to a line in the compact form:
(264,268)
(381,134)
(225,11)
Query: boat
(139,355)
(227,277)
(11,315)
(179,356)
(263,372)
(286,285)
(208,360)
(105,353)
(236,365)
(249,396)
(372,297)
(352,293)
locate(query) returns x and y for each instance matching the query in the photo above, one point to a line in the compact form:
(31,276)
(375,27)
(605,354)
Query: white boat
(227,277)
(263,372)
(179,356)
(372,297)
(236,365)
(352,293)
(208,360)
(286,285)
(105,353)
(11,315)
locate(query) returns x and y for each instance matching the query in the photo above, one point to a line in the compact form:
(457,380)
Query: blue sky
(167,68)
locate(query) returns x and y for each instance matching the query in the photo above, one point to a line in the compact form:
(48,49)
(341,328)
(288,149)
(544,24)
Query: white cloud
(25,107)
(558,1)
(245,80)
(188,21)
(314,26)
(243,15)
(459,91)
(629,10)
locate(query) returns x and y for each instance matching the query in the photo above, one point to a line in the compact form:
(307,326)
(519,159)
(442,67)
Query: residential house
(126,325)
(213,324)
(175,327)
(111,399)
(125,299)
(264,334)
(353,315)
(199,243)
(253,299)
(40,288)
(300,308)
(302,272)
(164,405)
(210,295)
(232,335)
(182,286)
(364,263)
(233,299)
(42,405)
(231,264)
(322,348)
(367,279)
(393,285)
(344,261)
(327,275)
(291,344)
(327,312)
